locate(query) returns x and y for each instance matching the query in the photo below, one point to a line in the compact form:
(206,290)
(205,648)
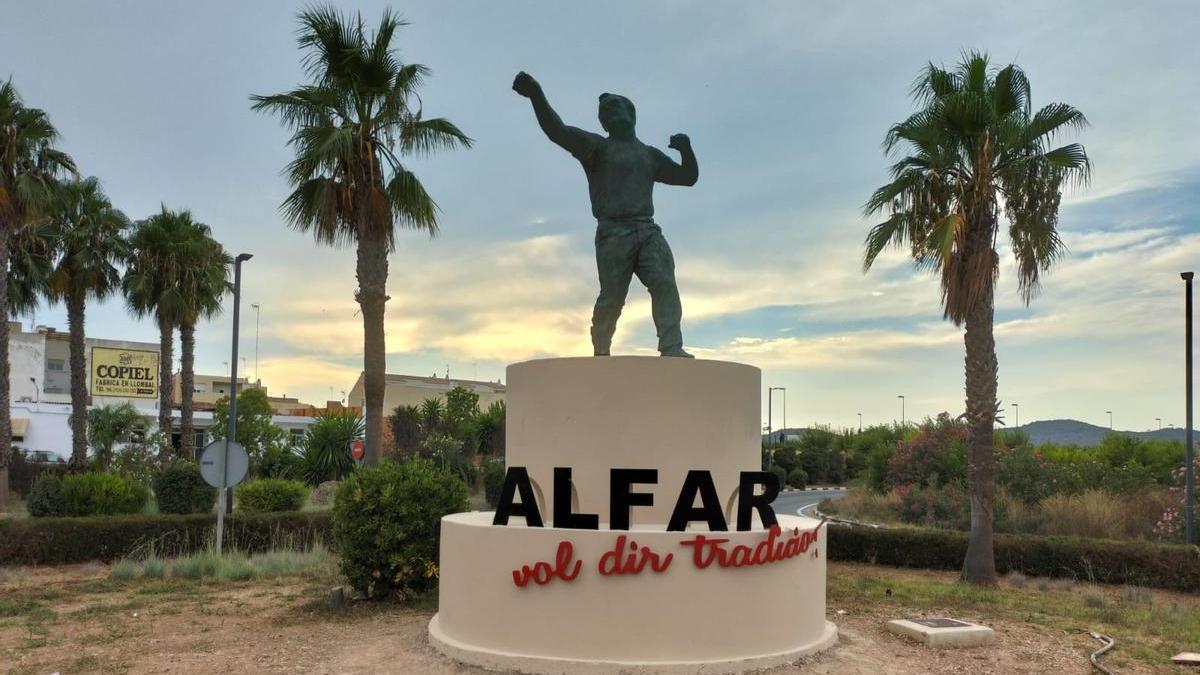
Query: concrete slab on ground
(942,632)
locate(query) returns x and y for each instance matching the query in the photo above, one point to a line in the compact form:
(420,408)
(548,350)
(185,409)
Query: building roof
(399,379)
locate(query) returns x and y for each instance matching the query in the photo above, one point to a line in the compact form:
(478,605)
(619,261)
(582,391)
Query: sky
(786,104)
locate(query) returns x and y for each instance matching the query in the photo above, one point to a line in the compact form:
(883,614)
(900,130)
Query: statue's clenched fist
(525,85)
(679,142)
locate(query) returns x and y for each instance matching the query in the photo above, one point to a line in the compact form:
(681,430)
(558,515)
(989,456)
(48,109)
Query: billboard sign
(127,373)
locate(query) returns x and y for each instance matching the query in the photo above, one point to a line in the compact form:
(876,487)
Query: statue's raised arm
(572,139)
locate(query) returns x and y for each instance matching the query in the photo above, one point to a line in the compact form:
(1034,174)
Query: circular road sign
(212,464)
(357,449)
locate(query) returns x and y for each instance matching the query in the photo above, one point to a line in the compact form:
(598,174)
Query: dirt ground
(75,620)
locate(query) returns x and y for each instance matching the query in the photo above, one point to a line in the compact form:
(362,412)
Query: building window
(200,387)
(55,365)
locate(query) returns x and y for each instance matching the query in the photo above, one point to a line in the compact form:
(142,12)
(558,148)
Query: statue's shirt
(621,176)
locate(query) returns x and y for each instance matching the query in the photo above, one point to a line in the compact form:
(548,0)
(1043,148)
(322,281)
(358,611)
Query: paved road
(794,503)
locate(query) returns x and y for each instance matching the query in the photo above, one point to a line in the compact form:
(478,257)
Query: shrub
(102,494)
(1169,567)
(270,495)
(322,495)
(60,541)
(326,454)
(387,525)
(180,488)
(932,506)
(781,473)
(45,497)
(493,481)
(937,453)
(797,479)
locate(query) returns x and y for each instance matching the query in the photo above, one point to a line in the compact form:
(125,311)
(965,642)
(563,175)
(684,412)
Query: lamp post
(1159,420)
(903,421)
(231,434)
(1189,497)
(257,317)
(1109,419)
(771,409)
(1016,415)
(860,423)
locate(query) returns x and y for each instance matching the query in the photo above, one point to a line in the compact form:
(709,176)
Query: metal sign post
(223,464)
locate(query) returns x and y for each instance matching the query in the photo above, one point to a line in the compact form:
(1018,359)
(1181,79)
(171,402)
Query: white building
(118,371)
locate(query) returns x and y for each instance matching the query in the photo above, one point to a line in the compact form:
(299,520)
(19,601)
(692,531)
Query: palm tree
(351,123)
(29,166)
(976,146)
(203,284)
(162,246)
(89,237)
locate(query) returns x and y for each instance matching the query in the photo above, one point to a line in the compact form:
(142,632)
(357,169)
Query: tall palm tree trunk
(165,385)
(979,566)
(372,296)
(187,353)
(78,358)
(5,409)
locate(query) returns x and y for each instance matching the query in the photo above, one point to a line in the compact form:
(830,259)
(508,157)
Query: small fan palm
(30,165)
(977,149)
(89,238)
(354,120)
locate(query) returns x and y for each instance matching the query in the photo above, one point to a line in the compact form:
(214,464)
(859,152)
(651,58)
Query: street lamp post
(1016,415)
(1159,420)
(1189,498)
(903,420)
(1109,419)
(231,433)
(860,423)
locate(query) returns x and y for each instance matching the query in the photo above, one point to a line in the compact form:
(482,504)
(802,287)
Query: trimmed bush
(798,478)
(493,481)
(45,497)
(60,541)
(781,473)
(1111,562)
(180,488)
(271,495)
(102,494)
(387,525)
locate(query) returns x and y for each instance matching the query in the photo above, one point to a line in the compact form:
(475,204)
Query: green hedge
(57,541)
(1164,566)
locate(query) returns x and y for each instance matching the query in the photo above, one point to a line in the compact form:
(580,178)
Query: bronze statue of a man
(621,172)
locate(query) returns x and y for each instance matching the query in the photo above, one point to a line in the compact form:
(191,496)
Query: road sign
(212,464)
(357,449)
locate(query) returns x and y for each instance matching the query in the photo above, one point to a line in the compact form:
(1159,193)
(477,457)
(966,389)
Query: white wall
(49,427)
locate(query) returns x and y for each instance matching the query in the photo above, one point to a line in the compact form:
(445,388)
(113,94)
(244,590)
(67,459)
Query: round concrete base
(539,665)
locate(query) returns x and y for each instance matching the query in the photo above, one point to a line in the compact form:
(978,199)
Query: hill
(1074,432)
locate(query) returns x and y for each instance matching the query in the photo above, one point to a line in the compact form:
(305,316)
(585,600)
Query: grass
(232,566)
(1149,626)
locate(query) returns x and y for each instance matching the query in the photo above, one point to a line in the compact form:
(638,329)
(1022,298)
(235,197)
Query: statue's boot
(677,352)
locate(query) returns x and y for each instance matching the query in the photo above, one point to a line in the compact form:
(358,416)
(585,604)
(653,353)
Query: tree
(327,447)
(89,239)
(163,247)
(255,430)
(354,120)
(108,425)
(405,421)
(976,146)
(203,283)
(490,430)
(29,166)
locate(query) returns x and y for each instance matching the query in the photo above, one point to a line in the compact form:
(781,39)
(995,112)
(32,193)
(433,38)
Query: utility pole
(257,316)
(1189,498)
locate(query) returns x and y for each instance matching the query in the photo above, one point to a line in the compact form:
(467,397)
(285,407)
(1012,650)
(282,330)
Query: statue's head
(617,115)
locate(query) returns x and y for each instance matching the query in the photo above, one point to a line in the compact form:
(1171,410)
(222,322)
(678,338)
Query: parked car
(44,457)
